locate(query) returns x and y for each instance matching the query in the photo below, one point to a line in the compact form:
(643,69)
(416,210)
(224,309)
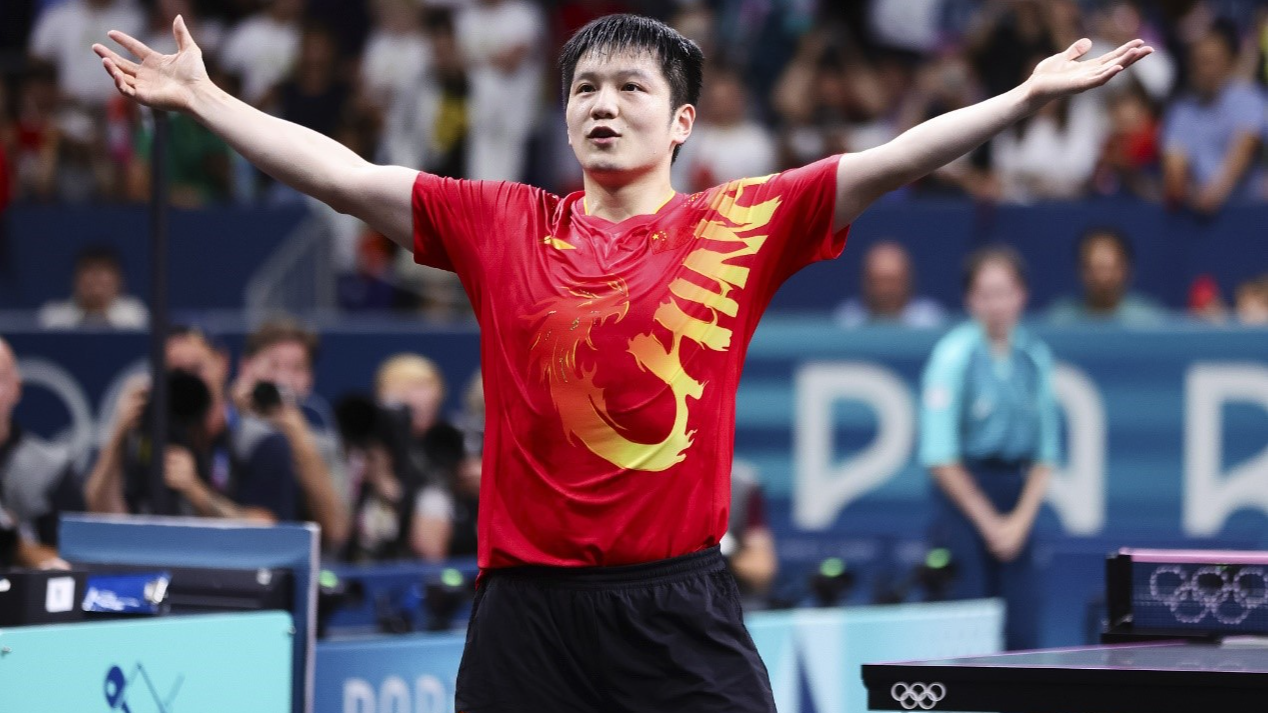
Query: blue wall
(215,251)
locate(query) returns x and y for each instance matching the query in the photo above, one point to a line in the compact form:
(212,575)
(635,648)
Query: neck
(617,201)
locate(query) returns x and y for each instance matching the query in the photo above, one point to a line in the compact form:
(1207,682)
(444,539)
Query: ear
(681,125)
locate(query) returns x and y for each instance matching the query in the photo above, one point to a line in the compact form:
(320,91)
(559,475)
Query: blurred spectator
(1205,300)
(989,437)
(275,383)
(1129,161)
(812,101)
(62,35)
(1051,154)
(1214,135)
(407,501)
(371,286)
(748,544)
(887,283)
(263,48)
(198,163)
(946,83)
(1105,264)
(726,144)
(313,94)
(159,37)
(397,53)
(37,480)
(1121,21)
(98,299)
(1251,301)
(427,123)
(36,138)
(218,463)
(502,42)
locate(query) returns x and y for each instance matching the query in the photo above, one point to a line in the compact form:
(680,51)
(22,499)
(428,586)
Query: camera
(364,423)
(189,402)
(267,396)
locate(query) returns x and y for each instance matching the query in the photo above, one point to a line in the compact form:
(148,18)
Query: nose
(604,103)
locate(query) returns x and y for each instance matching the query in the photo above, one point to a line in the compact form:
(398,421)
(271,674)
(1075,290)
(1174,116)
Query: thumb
(183,39)
(1077,50)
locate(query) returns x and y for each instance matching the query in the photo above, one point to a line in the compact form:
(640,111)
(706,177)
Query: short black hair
(981,257)
(1104,234)
(682,62)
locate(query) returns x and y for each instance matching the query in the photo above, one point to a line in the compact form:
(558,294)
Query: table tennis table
(1160,677)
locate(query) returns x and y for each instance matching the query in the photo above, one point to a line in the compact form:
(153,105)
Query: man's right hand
(160,81)
(130,406)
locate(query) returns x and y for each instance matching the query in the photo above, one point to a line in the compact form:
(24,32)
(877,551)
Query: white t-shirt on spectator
(63,35)
(262,51)
(719,154)
(393,62)
(124,313)
(1047,161)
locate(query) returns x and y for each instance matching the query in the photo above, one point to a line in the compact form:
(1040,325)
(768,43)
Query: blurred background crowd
(467,88)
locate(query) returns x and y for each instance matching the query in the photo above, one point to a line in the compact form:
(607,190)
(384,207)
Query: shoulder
(1034,347)
(957,345)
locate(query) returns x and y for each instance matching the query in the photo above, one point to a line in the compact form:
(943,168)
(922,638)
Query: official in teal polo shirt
(989,435)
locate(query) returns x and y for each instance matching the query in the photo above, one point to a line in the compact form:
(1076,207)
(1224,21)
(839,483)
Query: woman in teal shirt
(989,436)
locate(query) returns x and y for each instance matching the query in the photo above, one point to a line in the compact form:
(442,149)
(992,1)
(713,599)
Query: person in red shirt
(614,323)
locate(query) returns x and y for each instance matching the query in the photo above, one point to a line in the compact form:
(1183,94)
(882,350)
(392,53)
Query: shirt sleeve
(802,225)
(467,227)
(1047,444)
(941,403)
(268,480)
(1247,109)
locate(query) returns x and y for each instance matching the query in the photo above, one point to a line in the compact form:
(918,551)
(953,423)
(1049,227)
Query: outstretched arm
(299,157)
(864,177)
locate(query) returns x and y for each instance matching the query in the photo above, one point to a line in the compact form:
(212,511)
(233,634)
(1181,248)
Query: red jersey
(611,353)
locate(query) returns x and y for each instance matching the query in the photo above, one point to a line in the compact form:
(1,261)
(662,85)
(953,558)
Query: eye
(584,88)
(632,87)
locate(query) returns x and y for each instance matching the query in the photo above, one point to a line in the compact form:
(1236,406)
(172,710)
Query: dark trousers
(978,573)
(664,636)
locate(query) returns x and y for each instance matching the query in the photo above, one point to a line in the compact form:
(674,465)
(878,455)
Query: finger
(1120,51)
(127,65)
(1078,49)
(132,44)
(1135,55)
(122,82)
(183,38)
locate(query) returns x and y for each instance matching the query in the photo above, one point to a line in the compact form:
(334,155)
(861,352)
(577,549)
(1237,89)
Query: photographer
(217,463)
(405,462)
(275,382)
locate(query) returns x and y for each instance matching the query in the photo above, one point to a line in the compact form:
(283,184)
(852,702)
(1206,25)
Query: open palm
(161,81)
(1064,73)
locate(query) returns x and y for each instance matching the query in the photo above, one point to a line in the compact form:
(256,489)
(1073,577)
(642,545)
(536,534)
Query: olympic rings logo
(917,695)
(1228,594)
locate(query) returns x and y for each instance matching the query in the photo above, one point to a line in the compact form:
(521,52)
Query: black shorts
(659,637)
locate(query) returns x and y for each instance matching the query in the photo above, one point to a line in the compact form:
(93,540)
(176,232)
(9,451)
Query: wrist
(203,94)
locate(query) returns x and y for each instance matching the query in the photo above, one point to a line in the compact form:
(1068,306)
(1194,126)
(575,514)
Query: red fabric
(611,353)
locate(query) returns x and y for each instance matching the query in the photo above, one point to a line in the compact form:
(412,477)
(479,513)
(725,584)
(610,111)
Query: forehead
(608,62)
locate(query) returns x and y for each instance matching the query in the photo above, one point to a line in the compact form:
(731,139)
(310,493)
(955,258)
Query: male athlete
(614,324)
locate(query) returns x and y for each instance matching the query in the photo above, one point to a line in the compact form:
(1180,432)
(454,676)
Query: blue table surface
(1237,656)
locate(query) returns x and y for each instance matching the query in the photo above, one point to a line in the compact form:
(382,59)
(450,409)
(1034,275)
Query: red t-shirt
(611,353)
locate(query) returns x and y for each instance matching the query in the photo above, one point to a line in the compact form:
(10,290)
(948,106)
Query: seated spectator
(1129,161)
(1251,301)
(98,299)
(1213,135)
(60,37)
(36,145)
(263,48)
(1105,263)
(217,463)
(887,297)
(726,144)
(748,544)
(37,480)
(275,383)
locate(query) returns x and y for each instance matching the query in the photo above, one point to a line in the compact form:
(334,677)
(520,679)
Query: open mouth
(602,132)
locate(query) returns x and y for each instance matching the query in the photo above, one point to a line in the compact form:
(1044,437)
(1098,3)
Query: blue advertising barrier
(193,664)
(812,655)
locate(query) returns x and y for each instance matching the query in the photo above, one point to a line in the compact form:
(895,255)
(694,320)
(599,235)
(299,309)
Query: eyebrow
(620,74)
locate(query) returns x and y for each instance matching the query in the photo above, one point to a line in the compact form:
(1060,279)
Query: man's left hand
(1064,73)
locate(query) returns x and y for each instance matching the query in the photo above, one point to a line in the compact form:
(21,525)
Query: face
(285,364)
(1209,65)
(724,103)
(10,382)
(193,355)
(422,396)
(620,122)
(996,299)
(887,280)
(96,286)
(1104,272)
